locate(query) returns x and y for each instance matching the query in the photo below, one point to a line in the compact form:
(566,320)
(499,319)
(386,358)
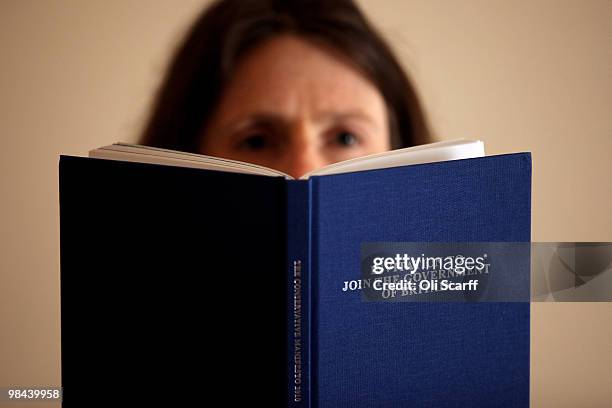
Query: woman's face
(294,106)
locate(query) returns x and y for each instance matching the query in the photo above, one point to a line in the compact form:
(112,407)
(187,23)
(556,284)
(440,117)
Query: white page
(429,153)
(153,155)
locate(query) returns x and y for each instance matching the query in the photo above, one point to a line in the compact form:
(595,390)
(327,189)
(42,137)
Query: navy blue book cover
(185,284)
(377,354)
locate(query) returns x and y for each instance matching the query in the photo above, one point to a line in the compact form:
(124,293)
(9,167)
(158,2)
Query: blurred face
(294,106)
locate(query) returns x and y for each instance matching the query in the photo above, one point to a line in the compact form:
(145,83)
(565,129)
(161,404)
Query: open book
(433,152)
(179,278)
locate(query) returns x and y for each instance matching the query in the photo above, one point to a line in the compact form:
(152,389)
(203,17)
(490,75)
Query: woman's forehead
(290,76)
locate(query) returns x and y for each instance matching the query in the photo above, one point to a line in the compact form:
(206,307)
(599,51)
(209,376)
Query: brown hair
(228,29)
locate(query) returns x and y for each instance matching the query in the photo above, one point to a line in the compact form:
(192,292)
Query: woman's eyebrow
(281,123)
(265,119)
(346,115)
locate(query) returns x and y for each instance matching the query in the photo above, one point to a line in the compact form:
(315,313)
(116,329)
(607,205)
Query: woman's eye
(254,142)
(345,138)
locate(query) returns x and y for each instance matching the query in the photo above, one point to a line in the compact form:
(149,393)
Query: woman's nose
(303,154)
(299,162)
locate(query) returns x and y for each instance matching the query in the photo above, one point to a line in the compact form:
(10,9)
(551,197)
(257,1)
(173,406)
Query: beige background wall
(520,75)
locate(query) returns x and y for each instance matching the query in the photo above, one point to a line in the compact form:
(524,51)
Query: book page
(429,153)
(154,155)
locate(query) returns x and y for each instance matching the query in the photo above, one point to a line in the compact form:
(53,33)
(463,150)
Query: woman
(290,85)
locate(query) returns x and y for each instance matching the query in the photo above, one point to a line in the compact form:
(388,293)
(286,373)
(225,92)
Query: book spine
(298,294)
